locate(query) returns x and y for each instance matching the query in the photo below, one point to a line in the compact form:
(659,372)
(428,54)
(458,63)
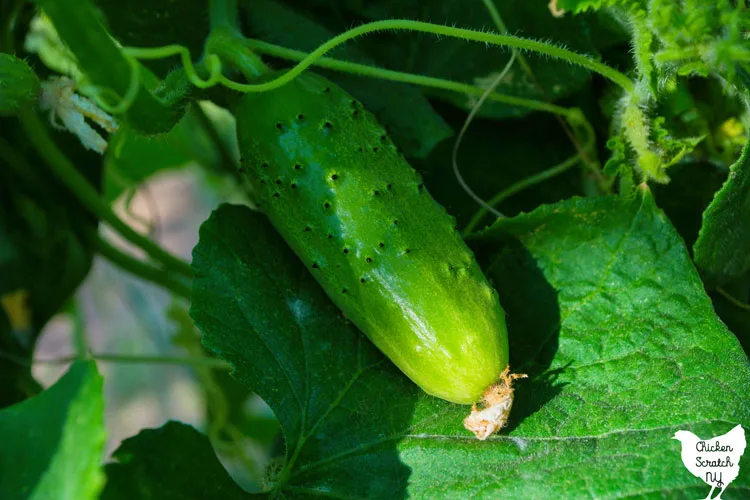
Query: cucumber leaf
(147,467)
(721,250)
(615,369)
(53,443)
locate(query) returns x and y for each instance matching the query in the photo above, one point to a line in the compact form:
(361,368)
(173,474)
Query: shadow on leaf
(533,332)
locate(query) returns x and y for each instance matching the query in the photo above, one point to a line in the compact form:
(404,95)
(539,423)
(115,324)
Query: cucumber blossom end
(495,408)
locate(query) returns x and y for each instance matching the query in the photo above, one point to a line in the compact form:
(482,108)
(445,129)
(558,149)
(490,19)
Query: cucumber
(19,85)
(335,187)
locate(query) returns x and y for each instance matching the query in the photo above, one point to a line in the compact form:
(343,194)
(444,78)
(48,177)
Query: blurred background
(126,317)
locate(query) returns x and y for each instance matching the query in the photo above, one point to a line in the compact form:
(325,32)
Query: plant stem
(436,29)
(732,299)
(143,270)
(64,170)
(223,14)
(398,76)
(79,331)
(198,362)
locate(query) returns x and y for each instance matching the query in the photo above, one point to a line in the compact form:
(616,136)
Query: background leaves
(416,133)
(44,232)
(722,246)
(471,62)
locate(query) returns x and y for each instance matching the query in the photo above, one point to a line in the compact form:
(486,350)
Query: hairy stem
(399,76)
(394,24)
(436,29)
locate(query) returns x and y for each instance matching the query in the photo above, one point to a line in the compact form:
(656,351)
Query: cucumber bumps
(334,186)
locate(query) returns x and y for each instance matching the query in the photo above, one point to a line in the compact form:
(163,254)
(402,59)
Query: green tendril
(97,92)
(436,29)
(214,64)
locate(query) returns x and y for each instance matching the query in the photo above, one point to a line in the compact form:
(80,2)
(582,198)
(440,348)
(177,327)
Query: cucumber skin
(351,207)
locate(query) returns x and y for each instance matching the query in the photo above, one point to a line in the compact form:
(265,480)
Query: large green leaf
(172,462)
(52,444)
(722,250)
(606,314)
(263,312)
(412,123)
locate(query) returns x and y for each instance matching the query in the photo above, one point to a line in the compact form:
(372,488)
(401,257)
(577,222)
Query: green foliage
(698,37)
(721,249)
(88,41)
(44,233)
(53,443)
(147,467)
(600,398)
(20,86)
(607,313)
(538,78)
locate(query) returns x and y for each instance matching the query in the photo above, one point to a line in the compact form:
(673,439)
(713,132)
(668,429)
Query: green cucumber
(333,184)
(19,85)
